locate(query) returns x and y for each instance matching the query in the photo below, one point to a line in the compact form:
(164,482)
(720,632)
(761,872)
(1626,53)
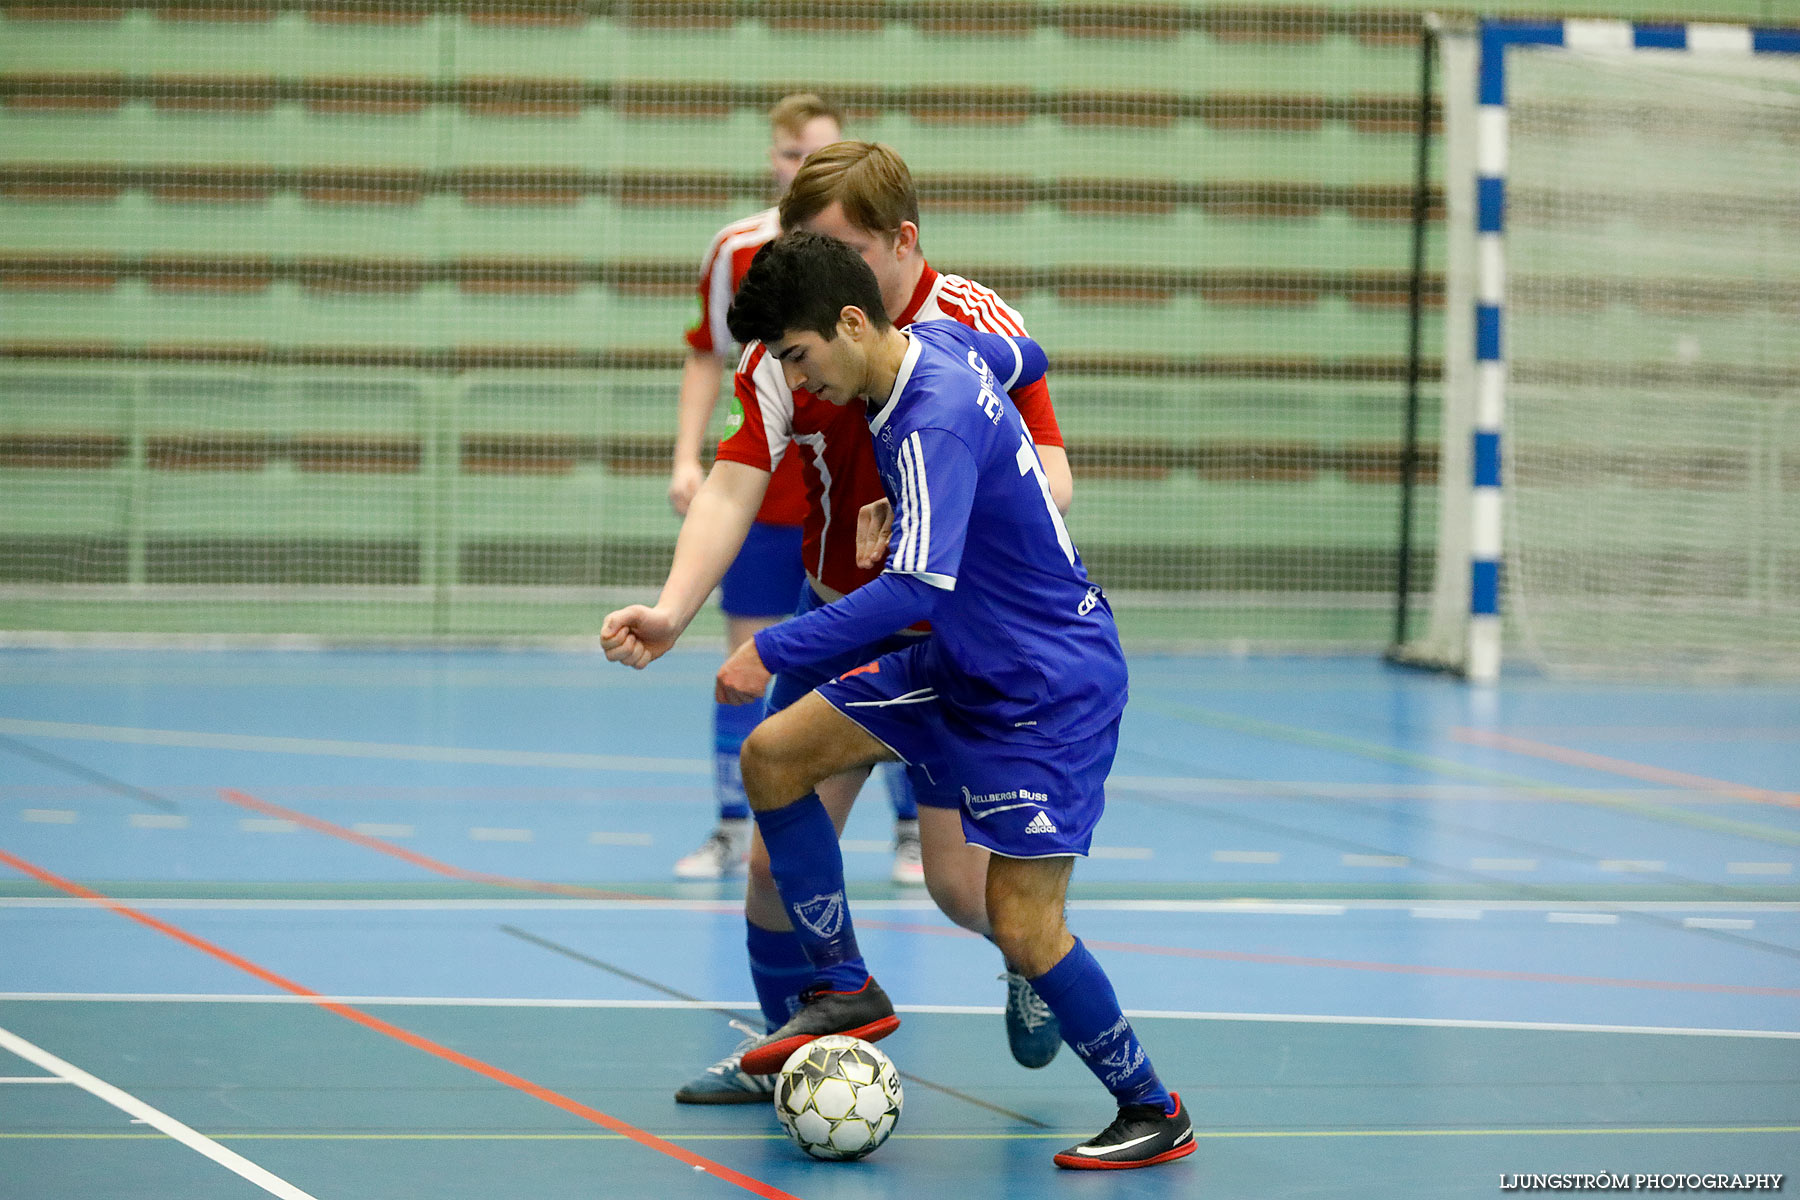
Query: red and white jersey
(838,459)
(726,262)
(953,298)
(723,268)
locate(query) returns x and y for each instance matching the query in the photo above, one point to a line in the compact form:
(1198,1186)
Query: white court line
(384,829)
(1759,868)
(704,767)
(1249,857)
(489,833)
(955,1010)
(1503,864)
(1447,913)
(1303,908)
(1249,908)
(31,1079)
(342,749)
(154,1118)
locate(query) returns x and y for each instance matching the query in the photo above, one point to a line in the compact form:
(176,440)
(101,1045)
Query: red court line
(1622,766)
(416,1041)
(1348,964)
(382,846)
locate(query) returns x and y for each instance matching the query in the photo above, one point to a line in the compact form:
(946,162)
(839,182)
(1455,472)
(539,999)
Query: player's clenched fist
(743,678)
(637,635)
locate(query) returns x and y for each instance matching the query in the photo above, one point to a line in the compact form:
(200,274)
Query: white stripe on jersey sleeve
(1018,365)
(775,400)
(985,310)
(816,443)
(924,547)
(988,309)
(909,504)
(751,231)
(914,554)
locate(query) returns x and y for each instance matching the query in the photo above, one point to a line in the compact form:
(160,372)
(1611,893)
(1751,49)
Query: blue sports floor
(395,925)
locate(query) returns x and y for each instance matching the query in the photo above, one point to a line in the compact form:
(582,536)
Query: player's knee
(757,762)
(1012,931)
(768,765)
(1032,940)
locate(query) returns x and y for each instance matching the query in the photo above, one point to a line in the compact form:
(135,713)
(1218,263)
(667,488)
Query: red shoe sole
(1075,1163)
(767,1060)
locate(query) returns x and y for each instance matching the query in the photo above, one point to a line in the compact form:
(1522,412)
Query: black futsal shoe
(866,1013)
(1141,1136)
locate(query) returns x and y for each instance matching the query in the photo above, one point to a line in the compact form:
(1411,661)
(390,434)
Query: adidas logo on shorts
(1041,824)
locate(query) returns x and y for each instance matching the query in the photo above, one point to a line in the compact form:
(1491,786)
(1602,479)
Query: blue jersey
(1021,638)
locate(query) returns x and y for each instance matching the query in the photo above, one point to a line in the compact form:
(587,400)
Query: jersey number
(1029,465)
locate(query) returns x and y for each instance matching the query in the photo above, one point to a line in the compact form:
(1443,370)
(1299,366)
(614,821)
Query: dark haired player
(1015,699)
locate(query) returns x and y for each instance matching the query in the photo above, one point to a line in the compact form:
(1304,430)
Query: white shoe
(725,852)
(725,1083)
(909,855)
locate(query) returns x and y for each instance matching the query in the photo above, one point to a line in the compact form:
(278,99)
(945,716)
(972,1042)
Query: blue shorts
(790,685)
(1020,799)
(761,580)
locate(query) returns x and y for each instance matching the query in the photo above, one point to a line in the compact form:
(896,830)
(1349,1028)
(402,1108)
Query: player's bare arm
(717,522)
(700,379)
(1058,476)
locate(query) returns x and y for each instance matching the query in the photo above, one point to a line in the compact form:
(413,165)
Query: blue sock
(1082,997)
(779,968)
(809,874)
(900,791)
(732,723)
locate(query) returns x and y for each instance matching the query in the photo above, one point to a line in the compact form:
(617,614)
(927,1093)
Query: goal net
(1646,277)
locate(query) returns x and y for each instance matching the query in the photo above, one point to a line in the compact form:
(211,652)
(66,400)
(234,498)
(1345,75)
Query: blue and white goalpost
(1620,463)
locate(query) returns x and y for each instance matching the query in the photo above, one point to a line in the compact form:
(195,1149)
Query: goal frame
(1465,632)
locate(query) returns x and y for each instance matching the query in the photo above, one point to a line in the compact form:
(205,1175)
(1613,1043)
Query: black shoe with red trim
(1141,1136)
(866,1013)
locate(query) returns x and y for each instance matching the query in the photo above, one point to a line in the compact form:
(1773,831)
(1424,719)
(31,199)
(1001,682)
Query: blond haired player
(862,193)
(759,587)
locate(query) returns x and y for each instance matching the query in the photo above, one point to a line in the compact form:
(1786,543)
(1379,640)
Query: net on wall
(364,318)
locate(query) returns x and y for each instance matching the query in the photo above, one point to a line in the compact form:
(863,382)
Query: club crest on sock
(1093,1046)
(823,915)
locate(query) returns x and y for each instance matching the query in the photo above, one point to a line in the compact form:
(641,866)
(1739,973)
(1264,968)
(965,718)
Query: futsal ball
(838,1097)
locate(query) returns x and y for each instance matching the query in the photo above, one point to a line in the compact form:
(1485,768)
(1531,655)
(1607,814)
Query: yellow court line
(1213,1135)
